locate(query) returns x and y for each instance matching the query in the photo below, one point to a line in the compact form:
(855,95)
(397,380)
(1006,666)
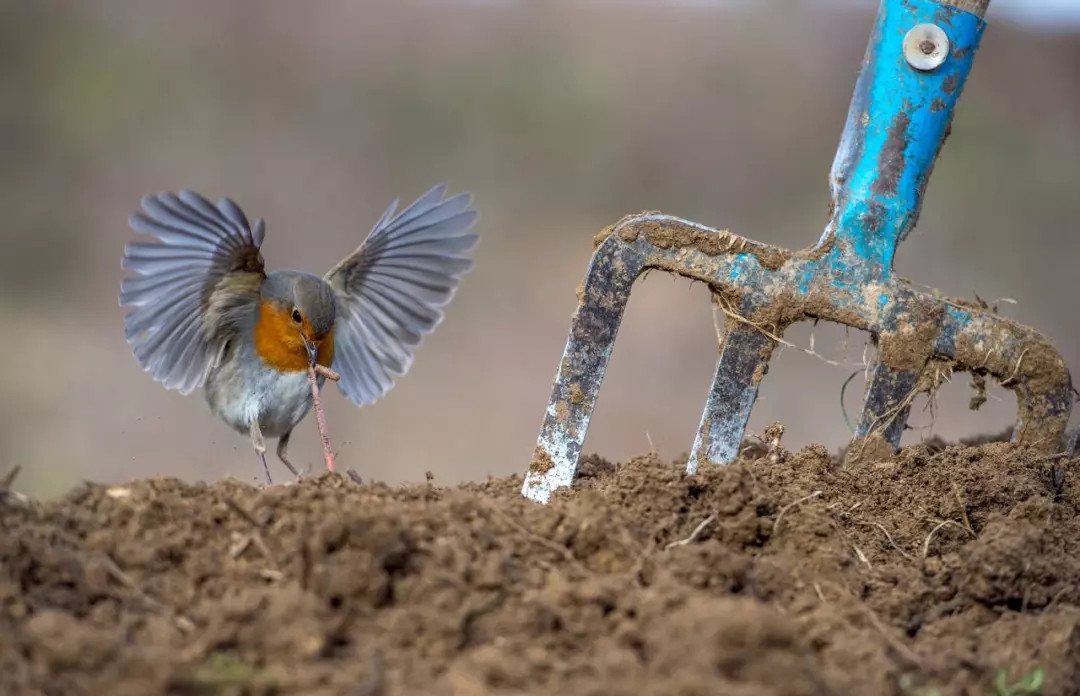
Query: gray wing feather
(391,290)
(198,245)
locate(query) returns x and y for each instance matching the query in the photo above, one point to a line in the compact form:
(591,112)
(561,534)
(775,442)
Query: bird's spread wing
(390,291)
(189,285)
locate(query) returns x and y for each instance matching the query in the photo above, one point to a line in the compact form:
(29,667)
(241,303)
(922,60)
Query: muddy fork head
(918,59)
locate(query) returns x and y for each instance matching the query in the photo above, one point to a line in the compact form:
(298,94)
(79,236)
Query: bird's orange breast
(279,342)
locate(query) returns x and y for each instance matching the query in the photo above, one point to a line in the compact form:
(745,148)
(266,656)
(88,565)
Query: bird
(204,312)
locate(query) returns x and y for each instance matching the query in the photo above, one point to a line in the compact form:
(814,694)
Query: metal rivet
(926,46)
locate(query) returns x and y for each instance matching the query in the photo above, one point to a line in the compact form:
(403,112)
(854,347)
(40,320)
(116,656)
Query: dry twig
(780,516)
(729,311)
(256,535)
(1015,369)
(113,569)
(693,535)
(889,537)
(940,525)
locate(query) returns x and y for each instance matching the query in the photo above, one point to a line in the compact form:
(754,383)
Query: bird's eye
(296,315)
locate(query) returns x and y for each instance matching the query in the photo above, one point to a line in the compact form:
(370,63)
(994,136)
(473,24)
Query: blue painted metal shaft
(897,122)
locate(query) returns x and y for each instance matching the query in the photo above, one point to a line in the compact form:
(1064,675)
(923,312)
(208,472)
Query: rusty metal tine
(594,327)
(744,354)
(887,404)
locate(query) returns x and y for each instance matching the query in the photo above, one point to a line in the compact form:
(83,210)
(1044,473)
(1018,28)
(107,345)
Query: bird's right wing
(190,285)
(390,291)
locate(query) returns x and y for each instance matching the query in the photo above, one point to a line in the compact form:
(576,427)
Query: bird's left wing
(390,291)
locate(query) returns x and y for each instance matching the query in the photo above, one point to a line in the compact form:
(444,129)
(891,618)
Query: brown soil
(934,570)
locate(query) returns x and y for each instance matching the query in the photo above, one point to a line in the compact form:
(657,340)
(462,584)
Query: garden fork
(919,55)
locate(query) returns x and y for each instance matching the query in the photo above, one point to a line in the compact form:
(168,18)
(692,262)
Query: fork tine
(886,407)
(593,329)
(744,355)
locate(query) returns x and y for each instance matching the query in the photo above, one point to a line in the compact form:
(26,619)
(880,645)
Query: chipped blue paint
(897,123)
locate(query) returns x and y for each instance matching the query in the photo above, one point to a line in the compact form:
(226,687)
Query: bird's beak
(312,350)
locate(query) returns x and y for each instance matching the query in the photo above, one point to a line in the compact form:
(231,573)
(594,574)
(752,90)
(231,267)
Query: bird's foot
(259,444)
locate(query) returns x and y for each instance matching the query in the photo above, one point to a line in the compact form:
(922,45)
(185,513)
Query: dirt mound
(784,574)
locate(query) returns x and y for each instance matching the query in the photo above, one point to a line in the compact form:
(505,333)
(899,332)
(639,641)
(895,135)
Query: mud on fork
(918,59)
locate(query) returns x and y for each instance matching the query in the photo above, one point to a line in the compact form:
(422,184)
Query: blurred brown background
(561,117)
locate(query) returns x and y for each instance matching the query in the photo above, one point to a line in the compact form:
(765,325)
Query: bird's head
(295,325)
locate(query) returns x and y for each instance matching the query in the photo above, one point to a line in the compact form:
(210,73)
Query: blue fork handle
(897,123)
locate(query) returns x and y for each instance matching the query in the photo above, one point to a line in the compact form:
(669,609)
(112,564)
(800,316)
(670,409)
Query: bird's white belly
(277,400)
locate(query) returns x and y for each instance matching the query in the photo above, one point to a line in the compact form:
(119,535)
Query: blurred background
(561,117)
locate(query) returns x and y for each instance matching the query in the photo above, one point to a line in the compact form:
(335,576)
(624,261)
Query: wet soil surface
(784,574)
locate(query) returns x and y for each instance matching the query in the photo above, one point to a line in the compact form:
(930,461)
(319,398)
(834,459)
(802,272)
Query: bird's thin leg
(283,450)
(260,448)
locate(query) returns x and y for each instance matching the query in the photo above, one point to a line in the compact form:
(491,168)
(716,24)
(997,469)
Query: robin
(206,312)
